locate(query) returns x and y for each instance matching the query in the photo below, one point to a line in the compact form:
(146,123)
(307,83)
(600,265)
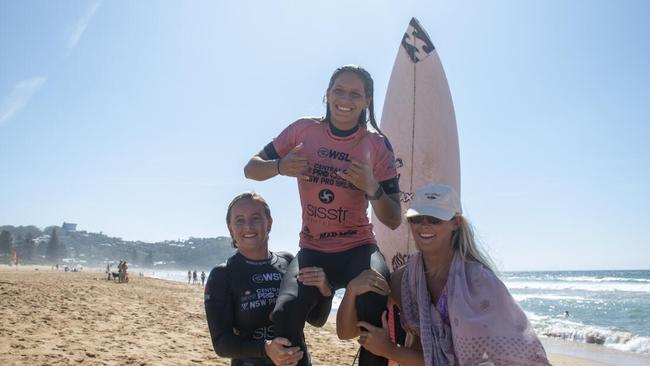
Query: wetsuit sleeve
(220,312)
(269,149)
(390,186)
(319,314)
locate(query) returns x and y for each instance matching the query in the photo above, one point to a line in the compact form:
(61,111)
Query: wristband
(377,195)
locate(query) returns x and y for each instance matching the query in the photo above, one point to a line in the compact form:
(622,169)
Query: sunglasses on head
(423,219)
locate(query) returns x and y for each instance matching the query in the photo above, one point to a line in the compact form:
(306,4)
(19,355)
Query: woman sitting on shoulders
(342,167)
(453,307)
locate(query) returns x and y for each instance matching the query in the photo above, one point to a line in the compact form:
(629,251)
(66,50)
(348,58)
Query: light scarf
(488,328)
(420,316)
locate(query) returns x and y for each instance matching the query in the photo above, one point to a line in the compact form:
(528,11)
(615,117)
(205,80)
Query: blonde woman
(454,308)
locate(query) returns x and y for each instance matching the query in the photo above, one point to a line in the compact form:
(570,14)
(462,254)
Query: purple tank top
(441,306)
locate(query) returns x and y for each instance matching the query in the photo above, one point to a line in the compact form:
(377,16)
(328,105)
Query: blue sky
(136,118)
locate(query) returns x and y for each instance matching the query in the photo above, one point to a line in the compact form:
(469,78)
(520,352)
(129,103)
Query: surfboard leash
(356,356)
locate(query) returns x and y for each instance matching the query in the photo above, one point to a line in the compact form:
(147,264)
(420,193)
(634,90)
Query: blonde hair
(246,196)
(464,241)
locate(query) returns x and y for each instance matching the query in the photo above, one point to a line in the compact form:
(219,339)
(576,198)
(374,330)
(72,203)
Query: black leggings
(296,300)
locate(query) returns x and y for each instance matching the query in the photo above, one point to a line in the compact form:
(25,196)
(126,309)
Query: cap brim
(430,211)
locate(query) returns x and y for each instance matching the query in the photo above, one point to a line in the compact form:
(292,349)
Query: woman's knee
(378,263)
(292,309)
(370,306)
(285,306)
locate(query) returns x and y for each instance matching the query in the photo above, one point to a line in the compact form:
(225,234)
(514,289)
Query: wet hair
(368,88)
(464,241)
(246,196)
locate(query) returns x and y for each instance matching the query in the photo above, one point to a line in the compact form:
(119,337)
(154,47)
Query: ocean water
(611,308)
(608,308)
(175,275)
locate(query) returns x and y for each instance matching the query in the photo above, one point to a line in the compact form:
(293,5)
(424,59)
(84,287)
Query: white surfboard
(419,120)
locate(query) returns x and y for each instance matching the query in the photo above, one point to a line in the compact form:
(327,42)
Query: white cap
(437,200)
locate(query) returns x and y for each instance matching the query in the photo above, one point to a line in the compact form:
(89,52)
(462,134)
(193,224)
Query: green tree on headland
(55,249)
(5,242)
(148,261)
(134,258)
(28,248)
(5,247)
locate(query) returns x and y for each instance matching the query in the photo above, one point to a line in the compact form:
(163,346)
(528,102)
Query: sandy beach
(56,318)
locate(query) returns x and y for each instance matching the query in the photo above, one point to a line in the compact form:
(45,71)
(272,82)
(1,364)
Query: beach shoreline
(59,318)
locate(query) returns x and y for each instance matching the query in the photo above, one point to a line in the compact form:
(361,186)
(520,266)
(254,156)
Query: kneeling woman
(240,294)
(454,308)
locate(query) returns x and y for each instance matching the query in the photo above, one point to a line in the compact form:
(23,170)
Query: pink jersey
(334,211)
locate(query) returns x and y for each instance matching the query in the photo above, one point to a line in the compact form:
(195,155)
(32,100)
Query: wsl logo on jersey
(326,196)
(266,277)
(324,152)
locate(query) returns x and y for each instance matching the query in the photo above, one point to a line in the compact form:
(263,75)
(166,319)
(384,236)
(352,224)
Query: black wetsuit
(296,300)
(239,296)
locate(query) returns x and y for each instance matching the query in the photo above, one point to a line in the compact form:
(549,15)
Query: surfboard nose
(416,41)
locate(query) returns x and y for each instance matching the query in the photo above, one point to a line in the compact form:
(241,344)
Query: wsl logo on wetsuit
(326,196)
(266,277)
(324,152)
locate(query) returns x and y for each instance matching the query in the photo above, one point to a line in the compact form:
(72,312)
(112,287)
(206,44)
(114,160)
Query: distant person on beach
(240,294)
(119,271)
(342,166)
(194,278)
(123,275)
(202,278)
(454,308)
(108,271)
(189,277)
(125,272)
(566,314)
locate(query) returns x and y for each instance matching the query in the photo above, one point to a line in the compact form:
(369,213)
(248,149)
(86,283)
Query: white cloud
(81,25)
(19,97)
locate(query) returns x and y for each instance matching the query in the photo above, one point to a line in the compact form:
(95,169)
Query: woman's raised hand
(360,174)
(366,281)
(315,276)
(294,164)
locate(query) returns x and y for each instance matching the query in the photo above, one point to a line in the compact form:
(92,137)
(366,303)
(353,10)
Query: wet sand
(57,318)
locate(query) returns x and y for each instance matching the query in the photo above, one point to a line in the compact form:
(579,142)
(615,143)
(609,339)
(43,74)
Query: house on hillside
(69,227)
